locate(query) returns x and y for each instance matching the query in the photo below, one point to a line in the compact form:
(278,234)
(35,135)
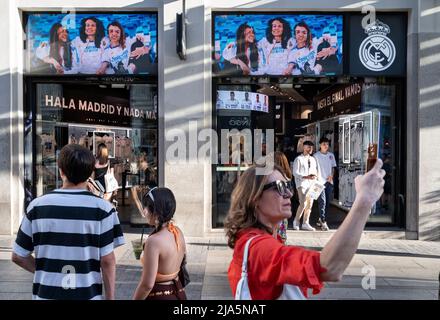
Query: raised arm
(337,254)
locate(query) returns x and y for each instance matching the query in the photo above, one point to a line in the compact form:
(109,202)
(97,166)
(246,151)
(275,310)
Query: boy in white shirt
(305,170)
(327,163)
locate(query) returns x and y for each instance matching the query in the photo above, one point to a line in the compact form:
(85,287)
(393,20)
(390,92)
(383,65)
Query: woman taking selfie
(275,271)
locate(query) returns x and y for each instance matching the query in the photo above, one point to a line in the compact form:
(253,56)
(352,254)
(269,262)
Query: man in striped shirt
(72,233)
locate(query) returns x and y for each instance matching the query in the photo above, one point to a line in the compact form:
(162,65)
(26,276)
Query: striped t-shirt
(69,231)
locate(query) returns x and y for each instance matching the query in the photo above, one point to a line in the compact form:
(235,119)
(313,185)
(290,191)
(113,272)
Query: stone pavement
(404,269)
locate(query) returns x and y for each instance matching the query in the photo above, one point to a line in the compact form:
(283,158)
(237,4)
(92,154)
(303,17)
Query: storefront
(379,83)
(93,96)
(286,86)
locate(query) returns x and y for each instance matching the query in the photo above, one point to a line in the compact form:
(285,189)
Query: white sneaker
(306,226)
(295,225)
(324,226)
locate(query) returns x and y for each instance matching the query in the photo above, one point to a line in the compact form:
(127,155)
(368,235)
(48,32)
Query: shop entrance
(351,115)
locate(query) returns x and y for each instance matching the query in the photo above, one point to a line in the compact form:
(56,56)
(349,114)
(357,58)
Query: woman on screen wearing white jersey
(116,57)
(59,54)
(309,54)
(244,52)
(90,45)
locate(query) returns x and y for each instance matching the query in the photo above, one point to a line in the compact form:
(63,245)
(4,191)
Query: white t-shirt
(326,163)
(115,55)
(301,56)
(304,166)
(232,104)
(43,52)
(274,58)
(257,106)
(90,56)
(246,104)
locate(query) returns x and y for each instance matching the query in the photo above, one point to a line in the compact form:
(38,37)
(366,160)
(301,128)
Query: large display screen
(91,44)
(278,44)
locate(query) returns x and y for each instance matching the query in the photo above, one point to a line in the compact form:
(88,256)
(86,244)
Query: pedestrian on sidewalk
(72,233)
(164,250)
(327,163)
(276,271)
(281,160)
(306,171)
(102,167)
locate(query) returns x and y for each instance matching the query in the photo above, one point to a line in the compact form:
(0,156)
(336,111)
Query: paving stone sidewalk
(404,269)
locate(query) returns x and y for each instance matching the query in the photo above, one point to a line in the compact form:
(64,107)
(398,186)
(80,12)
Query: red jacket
(272,264)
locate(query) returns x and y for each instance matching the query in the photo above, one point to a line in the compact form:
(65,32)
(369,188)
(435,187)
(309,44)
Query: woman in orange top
(164,250)
(259,202)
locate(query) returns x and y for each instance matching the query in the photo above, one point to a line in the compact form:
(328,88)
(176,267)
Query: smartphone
(372,156)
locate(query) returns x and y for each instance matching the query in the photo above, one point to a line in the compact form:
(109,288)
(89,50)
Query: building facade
(397,100)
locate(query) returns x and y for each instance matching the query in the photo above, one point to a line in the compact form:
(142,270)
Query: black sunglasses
(284,188)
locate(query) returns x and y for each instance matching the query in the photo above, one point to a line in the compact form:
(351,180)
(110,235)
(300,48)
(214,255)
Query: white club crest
(377,51)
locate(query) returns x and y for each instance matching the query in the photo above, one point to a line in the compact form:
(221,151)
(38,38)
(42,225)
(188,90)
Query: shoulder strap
(245,256)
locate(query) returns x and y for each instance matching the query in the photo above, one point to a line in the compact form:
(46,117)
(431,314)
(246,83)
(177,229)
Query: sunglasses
(284,188)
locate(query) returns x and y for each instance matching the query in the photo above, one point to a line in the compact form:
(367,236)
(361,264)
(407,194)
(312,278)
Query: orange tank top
(168,277)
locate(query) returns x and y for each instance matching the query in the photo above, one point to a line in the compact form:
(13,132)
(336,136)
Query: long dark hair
(100,32)
(122,39)
(309,34)
(241,47)
(287,31)
(55,45)
(162,207)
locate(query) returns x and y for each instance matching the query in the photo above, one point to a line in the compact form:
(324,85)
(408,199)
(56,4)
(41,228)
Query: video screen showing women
(97,44)
(285,45)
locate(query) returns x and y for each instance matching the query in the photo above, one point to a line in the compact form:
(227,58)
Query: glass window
(122,118)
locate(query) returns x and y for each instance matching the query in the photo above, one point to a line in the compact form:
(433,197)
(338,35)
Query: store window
(121,117)
(91,79)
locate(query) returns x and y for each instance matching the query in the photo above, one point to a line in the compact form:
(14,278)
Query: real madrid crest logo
(377,51)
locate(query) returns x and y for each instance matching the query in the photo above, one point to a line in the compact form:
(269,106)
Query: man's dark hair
(76,162)
(324,140)
(308,143)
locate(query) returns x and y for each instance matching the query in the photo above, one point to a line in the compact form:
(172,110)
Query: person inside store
(305,57)
(90,45)
(242,57)
(275,48)
(281,160)
(59,54)
(102,166)
(259,203)
(306,171)
(327,164)
(63,227)
(164,250)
